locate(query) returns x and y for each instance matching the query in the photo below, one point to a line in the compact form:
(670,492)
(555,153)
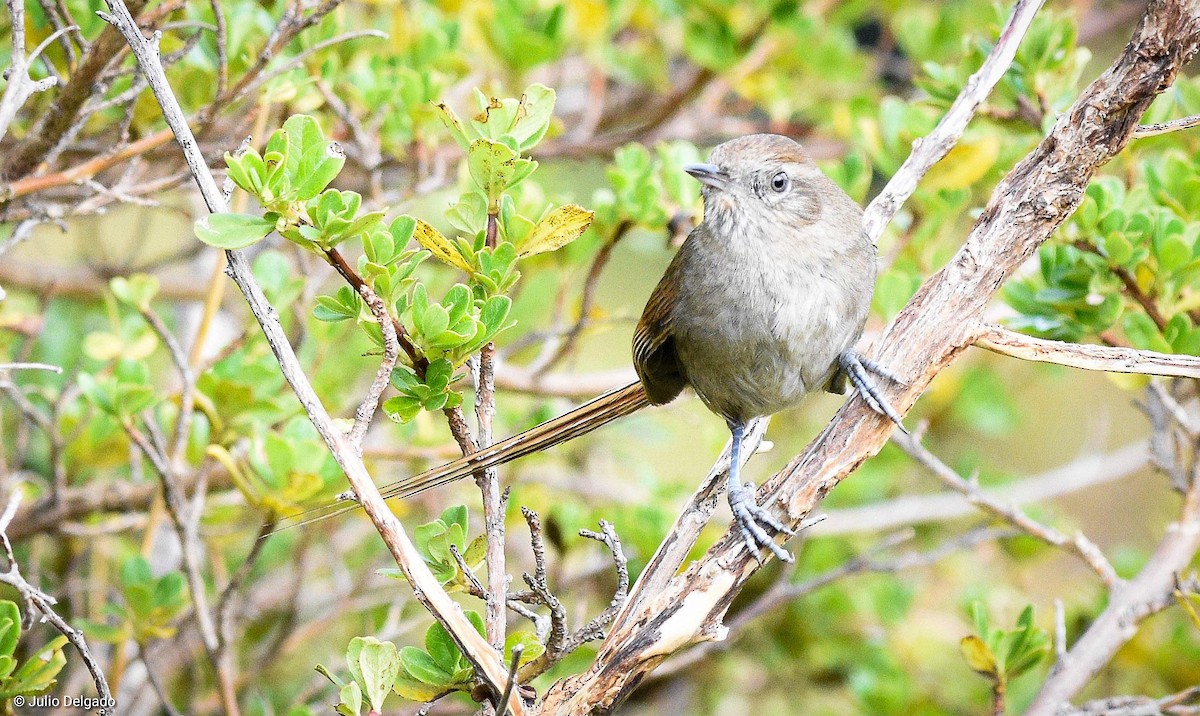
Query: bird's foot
(751,519)
(858,369)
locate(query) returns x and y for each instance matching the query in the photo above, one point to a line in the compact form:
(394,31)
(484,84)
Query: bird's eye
(780,182)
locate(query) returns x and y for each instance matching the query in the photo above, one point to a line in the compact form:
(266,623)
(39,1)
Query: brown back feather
(654,355)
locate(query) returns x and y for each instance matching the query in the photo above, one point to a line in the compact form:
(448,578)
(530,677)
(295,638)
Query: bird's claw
(858,369)
(751,518)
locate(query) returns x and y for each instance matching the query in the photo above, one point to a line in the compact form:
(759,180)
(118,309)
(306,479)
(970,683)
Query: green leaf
(438,377)
(312,161)
(494,312)
(441,647)
(137,290)
(476,620)
(439,246)
(232,231)
(492,165)
(378,665)
(402,408)
(423,668)
(469,213)
(533,116)
(531,647)
(344,305)
(556,229)
(1143,333)
(322,670)
(476,551)
(414,690)
(351,700)
(455,125)
(455,515)
(10,627)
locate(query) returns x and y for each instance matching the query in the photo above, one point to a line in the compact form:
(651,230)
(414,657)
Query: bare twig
(20,84)
(587,298)
(784,591)
(156,683)
(930,149)
(1113,359)
(1152,589)
(1152,130)
(1080,546)
(31,366)
(488,480)
(687,527)
(1184,703)
(44,603)
(186,524)
(391,351)
(538,583)
(1060,635)
(425,585)
(594,629)
(1084,472)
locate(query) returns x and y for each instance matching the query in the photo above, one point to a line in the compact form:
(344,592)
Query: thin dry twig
(391,352)
(20,84)
(1079,545)
(930,149)
(1152,590)
(784,591)
(1153,130)
(539,585)
(44,603)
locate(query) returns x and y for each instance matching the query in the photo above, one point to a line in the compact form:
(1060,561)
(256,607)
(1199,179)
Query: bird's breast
(758,333)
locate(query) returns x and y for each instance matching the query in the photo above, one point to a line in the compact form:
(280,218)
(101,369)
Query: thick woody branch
(1112,359)
(425,586)
(929,334)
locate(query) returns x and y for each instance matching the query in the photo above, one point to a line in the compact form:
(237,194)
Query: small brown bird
(761,307)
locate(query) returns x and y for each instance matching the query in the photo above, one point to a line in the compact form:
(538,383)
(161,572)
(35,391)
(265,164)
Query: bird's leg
(749,516)
(858,369)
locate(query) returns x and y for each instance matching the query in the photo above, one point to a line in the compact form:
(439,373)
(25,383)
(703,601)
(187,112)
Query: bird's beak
(709,174)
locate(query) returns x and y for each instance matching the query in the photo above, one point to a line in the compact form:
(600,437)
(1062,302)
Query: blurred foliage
(482,100)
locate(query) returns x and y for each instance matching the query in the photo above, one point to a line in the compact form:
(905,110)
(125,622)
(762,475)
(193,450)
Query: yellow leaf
(979,657)
(102,346)
(556,229)
(1128,381)
(439,246)
(965,164)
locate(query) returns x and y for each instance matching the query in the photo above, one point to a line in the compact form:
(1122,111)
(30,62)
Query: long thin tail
(580,421)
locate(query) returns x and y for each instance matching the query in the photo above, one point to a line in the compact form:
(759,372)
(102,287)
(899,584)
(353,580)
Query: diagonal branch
(425,586)
(929,150)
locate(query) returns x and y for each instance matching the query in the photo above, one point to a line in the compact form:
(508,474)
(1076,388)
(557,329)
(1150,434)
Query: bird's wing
(654,355)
